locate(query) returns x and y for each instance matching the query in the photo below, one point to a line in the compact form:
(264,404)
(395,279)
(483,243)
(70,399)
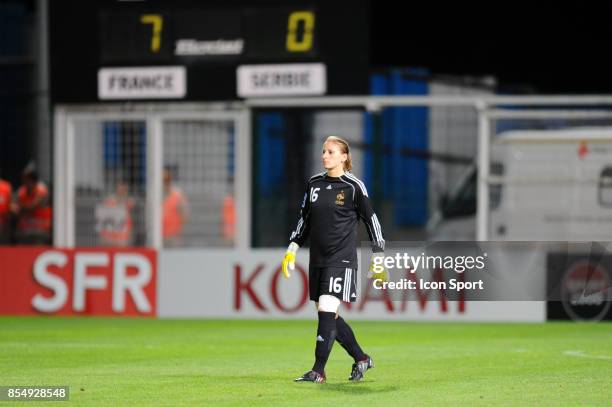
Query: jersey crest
(340,198)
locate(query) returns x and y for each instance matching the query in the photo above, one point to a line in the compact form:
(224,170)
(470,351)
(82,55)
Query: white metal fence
(478,152)
(476,126)
(159,178)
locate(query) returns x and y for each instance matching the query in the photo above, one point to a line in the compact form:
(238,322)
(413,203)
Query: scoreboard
(206,50)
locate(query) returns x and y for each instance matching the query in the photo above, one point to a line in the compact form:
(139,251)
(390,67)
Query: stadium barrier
(226,284)
(223,283)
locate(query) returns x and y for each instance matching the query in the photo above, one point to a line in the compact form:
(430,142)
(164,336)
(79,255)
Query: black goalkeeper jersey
(330,213)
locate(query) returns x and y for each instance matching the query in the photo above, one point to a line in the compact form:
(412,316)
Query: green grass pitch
(112,361)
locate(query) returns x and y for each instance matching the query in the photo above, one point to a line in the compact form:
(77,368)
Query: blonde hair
(344,148)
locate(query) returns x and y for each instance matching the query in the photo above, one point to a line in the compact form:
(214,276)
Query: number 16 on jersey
(314,194)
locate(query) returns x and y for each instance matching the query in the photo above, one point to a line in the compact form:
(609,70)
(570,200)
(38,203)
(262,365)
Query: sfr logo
(100,282)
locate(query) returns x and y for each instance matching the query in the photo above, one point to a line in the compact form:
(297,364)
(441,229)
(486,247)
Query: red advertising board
(43,280)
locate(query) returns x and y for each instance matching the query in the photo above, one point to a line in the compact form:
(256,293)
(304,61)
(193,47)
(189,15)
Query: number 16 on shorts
(335,285)
(343,286)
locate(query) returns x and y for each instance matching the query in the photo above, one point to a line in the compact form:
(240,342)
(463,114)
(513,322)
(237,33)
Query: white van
(549,185)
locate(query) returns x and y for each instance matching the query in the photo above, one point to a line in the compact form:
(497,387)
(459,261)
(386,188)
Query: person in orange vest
(33,210)
(115,224)
(6,196)
(229,219)
(175,212)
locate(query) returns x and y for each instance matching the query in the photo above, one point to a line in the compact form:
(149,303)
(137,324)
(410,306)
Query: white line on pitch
(581,354)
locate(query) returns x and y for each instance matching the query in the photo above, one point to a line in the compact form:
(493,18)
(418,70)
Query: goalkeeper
(333,203)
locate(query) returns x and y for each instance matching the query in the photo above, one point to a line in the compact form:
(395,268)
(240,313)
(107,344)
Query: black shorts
(337,281)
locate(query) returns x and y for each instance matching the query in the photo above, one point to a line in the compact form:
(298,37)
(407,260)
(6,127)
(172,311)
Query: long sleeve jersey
(330,212)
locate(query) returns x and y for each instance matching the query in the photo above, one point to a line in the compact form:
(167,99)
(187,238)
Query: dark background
(536,47)
(539,47)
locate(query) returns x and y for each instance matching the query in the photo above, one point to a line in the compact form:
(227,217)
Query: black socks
(346,338)
(326,334)
(331,329)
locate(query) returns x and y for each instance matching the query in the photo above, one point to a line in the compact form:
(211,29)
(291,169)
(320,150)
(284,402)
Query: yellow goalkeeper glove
(377,271)
(289,260)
